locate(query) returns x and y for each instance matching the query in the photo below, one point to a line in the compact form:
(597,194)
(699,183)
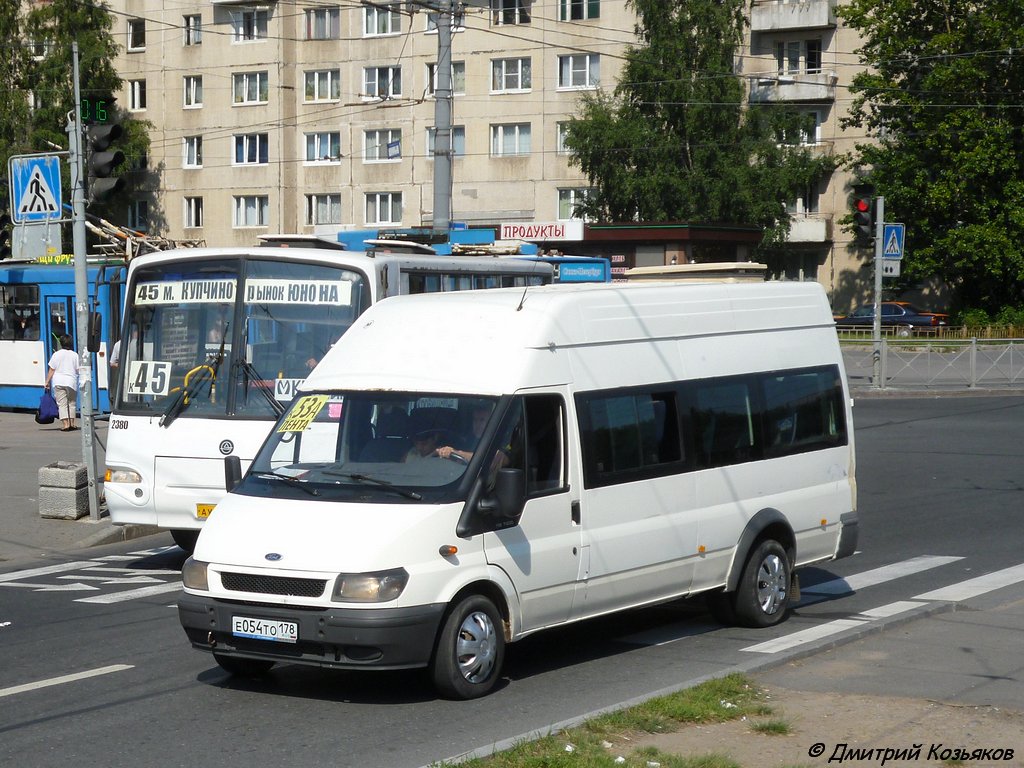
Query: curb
(112,534)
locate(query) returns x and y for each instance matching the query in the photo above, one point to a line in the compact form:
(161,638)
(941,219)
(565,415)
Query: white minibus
(464,470)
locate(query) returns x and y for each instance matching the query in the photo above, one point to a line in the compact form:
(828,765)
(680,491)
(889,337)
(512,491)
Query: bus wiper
(251,374)
(205,372)
(361,478)
(292,481)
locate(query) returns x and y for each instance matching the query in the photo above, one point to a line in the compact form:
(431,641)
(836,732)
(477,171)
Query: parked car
(900,317)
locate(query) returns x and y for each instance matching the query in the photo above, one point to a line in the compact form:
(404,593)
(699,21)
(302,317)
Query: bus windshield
(377,446)
(231,336)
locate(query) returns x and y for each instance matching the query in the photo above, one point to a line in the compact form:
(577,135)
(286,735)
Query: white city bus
(215,343)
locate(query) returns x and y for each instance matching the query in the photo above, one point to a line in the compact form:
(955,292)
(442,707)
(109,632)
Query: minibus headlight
(378,587)
(119,475)
(193,574)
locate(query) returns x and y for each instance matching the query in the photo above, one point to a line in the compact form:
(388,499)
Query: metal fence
(939,364)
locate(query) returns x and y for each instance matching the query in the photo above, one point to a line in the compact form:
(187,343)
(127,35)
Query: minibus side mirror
(232,472)
(509,493)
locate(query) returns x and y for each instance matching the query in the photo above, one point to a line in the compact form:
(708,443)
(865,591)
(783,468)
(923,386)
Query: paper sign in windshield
(302,413)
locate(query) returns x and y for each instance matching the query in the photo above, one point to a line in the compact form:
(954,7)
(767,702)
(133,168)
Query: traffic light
(103,162)
(863,210)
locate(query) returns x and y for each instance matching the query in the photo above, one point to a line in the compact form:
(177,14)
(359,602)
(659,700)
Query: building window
(192,28)
(510,139)
(561,131)
(250,87)
(510,75)
(249,24)
(193,90)
(323,209)
(193,152)
(384,208)
(579,70)
(458,22)
(323,24)
(138,215)
(381,20)
(458,141)
(795,56)
(251,149)
(578,10)
(458,78)
(324,147)
(193,212)
(568,200)
(382,145)
(136,35)
(510,11)
(193,148)
(136,95)
(251,211)
(382,82)
(323,85)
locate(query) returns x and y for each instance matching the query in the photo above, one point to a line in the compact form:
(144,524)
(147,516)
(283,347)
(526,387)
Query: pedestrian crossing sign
(892,240)
(35,188)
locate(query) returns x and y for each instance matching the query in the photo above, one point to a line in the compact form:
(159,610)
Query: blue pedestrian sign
(35,188)
(892,241)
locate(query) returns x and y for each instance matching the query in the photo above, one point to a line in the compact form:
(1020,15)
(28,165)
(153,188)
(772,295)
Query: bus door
(59,319)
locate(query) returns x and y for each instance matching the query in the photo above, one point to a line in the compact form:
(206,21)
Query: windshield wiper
(251,374)
(361,478)
(206,372)
(292,481)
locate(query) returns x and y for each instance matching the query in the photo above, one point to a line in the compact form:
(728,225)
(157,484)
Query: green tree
(942,97)
(674,141)
(52,27)
(14,106)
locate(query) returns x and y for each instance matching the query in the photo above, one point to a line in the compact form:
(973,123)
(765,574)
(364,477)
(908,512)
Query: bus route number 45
(149,377)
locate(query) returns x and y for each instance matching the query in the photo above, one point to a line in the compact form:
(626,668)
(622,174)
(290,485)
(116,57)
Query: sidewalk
(25,447)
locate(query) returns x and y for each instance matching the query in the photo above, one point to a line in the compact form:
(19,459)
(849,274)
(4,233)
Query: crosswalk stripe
(131,594)
(977,586)
(878,575)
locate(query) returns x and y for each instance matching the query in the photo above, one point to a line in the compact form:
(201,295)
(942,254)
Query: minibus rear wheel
(762,595)
(242,667)
(470,649)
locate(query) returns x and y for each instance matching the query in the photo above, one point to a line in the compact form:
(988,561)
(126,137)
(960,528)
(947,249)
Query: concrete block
(64,474)
(63,503)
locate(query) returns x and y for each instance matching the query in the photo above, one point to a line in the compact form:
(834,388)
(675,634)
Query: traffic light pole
(443,116)
(876,329)
(77,163)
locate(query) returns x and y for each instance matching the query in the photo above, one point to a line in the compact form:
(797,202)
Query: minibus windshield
(378,446)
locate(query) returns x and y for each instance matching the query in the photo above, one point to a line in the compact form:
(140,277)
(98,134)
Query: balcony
(780,17)
(819,86)
(810,228)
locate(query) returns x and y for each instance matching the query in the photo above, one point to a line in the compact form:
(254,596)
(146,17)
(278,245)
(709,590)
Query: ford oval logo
(272,556)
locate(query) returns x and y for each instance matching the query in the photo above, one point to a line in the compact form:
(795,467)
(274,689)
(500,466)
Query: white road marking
(76,587)
(976,586)
(117,579)
(63,679)
(878,575)
(131,594)
(33,572)
(808,635)
(892,609)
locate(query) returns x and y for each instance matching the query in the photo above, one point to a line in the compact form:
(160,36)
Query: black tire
(470,650)
(186,540)
(762,595)
(242,667)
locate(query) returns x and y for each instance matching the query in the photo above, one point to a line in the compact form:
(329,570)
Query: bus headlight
(378,587)
(121,475)
(193,575)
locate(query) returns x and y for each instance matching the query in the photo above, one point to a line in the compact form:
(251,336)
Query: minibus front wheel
(470,649)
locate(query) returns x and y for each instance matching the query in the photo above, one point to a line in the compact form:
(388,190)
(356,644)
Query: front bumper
(340,638)
(848,535)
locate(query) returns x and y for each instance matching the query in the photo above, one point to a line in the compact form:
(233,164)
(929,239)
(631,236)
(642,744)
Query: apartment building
(311,118)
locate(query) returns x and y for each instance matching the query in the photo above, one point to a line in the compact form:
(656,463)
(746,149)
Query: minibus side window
(629,436)
(545,443)
(724,419)
(802,411)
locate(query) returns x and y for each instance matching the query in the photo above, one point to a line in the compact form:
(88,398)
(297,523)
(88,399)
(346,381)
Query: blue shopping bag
(46,413)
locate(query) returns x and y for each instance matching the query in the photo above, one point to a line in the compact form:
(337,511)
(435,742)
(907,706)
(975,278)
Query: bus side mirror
(232,472)
(95,332)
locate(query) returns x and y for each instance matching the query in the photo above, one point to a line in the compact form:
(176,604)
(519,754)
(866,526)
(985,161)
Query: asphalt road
(940,502)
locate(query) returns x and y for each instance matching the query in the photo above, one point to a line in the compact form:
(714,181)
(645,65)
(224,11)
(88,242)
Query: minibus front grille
(273,585)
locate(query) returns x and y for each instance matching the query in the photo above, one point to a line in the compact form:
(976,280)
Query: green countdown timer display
(96,110)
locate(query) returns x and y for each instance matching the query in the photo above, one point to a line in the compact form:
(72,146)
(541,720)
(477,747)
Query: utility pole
(77,163)
(443,116)
(876,329)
